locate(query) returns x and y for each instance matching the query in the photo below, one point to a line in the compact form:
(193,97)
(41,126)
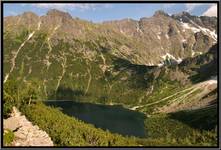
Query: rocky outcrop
(203,21)
(26,134)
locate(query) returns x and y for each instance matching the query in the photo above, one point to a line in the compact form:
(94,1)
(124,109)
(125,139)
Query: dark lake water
(114,118)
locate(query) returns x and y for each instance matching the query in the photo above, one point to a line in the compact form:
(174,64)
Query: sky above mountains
(98,12)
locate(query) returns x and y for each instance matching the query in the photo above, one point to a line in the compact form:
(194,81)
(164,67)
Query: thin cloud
(166,6)
(13,13)
(211,11)
(191,7)
(70,6)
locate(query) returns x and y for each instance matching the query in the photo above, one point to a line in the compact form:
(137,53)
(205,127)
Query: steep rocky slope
(146,41)
(122,62)
(163,66)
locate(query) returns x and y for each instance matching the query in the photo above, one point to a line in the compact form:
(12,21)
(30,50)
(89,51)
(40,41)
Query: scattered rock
(26,134)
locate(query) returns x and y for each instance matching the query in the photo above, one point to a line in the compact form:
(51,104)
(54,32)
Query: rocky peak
(160,13)
(29,15)
(57,18)
(182,14)
(155,35)
(203,21)
(59,14)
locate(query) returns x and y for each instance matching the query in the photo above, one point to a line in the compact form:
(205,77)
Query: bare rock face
(55,17)
(26,134)
(161,34)
(204,99)
(59,14)
(9,125)
(203,21)
(147,40)
(160,13)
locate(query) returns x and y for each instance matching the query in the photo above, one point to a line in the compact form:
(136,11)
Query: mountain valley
(154,73)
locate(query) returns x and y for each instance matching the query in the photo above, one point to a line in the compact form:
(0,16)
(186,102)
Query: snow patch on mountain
(150,64)
(206,31)
(160,64)
(179,60)
(196,53)
(209,32)
(187,26)
(193,53)
(183,40)
(168,56)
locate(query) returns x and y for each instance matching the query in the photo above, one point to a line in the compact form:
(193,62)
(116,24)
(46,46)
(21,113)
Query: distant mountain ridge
(146,41)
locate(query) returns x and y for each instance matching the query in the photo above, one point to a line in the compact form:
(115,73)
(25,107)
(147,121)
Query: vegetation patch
(8,137)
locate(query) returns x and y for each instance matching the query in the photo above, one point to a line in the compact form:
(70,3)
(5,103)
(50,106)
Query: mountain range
(164,64)
(105,61)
